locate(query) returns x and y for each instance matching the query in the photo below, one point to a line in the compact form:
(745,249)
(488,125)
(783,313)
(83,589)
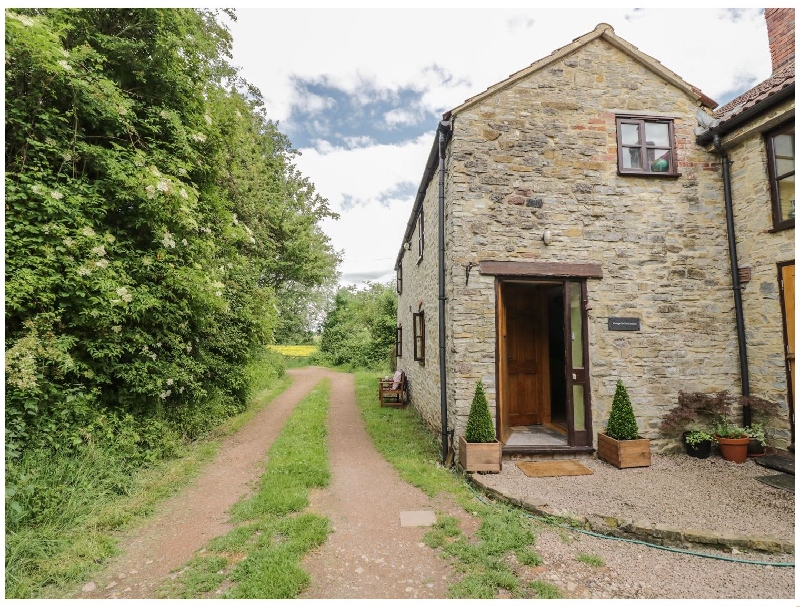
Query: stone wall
(541,154)
(421,292)
(761,250)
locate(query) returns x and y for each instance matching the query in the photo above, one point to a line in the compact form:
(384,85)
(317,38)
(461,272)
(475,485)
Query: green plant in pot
(762,411)
(478,449)
(693,415)
(732,440)
(698,443)
(758,439)
(621,444)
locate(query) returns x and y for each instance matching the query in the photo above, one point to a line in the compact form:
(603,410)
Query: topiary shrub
(622,421)
(480,428)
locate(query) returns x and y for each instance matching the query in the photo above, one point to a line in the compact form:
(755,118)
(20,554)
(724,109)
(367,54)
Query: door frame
(501,370)
(789,378)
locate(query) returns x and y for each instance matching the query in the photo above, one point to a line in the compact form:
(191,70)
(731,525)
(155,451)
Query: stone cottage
(754,136)
(568,231)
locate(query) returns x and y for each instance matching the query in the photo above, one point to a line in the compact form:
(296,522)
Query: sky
(359,92)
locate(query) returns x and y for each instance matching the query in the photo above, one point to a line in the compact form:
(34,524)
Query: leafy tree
(152,212)
(360,329)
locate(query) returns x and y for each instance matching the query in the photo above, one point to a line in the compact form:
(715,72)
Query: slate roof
(780,79)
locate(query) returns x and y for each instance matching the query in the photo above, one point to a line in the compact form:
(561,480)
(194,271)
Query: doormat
(556,467)
(781,464)
(781,481)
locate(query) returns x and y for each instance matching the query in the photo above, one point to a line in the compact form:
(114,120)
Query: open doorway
(538,386)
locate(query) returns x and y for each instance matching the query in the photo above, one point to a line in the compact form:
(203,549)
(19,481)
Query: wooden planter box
(480,457)
(623,453)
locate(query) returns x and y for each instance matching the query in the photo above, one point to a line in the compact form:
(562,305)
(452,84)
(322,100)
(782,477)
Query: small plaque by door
(623,324)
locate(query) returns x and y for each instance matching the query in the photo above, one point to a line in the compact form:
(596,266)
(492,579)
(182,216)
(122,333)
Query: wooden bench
(393,392)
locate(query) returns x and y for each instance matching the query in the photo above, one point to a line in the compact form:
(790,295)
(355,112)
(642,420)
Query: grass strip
(260,558)
(52,560)
(500,556)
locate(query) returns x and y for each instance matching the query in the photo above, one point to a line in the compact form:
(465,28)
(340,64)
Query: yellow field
(294,350)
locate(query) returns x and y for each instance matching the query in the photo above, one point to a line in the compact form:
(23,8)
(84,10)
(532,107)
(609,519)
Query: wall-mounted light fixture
(547,237)
(407,246)
(468,267)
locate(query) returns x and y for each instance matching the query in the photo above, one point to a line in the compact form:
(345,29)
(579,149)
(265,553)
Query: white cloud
(370,229)
(401,117)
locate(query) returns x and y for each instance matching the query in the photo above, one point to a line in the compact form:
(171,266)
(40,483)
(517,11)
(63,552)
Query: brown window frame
(398,343)
(419,335)
(778,223)
(641,121)
(421,233)
(400,278)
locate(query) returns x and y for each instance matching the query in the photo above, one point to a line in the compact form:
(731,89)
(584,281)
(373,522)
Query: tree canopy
(154,215)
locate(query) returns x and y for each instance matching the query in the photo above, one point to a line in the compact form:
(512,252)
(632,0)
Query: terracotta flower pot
(733,449)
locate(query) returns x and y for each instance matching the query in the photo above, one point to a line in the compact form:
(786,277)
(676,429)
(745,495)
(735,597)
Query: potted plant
(732,441)
(478,449)
(693,411)
(698,443)
(621,444)
(756,447)
(761,410)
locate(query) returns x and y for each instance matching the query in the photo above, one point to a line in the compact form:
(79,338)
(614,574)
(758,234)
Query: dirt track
(367,556)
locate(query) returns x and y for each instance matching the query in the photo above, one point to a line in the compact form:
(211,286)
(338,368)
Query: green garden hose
(642,543)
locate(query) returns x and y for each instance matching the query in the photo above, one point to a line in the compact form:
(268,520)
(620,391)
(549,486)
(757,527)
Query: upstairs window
(421,232)
(419,336)
(780,154)
(399,278)
(645,146)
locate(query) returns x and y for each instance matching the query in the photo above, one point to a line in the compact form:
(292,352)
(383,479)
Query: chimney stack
(780,30)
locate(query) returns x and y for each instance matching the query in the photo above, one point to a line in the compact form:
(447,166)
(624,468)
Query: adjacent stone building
(755,132)
(570,230)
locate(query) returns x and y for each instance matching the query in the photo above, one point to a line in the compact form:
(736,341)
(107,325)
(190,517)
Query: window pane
(784,165)
(576,325)
(784,145)
(658,160)
(786,193)
(630,134)
(656,134)
(631,158)
(578,408)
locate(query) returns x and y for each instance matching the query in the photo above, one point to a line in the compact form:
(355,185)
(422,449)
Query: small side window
(399,278)
(421,232)
(398,344)
(419,336)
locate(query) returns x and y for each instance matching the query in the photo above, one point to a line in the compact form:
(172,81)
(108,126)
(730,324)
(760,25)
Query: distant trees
(360,329)
(154,218)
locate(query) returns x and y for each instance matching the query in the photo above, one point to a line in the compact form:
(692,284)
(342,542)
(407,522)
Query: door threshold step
(513,452)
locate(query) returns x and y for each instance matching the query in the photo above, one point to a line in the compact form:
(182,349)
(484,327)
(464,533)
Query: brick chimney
(780,30)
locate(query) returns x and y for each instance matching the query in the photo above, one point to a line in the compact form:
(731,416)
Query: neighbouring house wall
(761,250)
(542,154)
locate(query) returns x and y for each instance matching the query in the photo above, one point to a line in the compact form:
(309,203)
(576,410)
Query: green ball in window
(660,165)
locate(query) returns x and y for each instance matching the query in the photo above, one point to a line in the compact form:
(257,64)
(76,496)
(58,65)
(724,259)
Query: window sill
(646,174)
(788,225)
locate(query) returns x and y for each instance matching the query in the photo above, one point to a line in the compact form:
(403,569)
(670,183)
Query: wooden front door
(787,299)
(527,355)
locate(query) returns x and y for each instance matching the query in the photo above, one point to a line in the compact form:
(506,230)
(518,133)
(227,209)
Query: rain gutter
(737,287)
(444,133)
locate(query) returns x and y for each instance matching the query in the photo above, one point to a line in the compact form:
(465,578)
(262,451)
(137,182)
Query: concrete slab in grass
(417,518)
